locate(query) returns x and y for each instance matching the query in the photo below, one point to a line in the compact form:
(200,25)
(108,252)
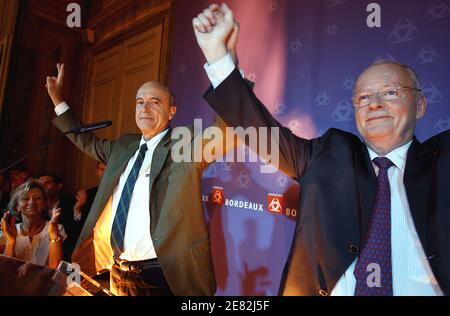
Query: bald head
(155,108)
(395,69)
(149,85)
(394,104)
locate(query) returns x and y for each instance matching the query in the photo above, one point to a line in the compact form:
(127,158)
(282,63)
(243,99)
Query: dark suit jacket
(338,185)
(91,193)
(71,227)
(177,226)
(4,200)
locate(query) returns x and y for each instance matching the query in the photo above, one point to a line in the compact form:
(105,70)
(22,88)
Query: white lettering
(374,18)
(374,279)
(74,18)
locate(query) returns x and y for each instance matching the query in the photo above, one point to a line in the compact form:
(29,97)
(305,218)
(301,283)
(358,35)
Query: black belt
(136,266)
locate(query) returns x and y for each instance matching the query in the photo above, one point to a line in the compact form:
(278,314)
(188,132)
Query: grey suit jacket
(178,228)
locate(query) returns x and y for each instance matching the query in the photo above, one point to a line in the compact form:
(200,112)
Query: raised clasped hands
(216,32)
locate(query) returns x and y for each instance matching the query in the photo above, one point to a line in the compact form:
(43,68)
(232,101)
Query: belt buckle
(123,266)
(126,266)
(134,268)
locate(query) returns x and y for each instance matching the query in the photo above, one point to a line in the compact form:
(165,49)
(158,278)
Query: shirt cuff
(61,108)
(220,70)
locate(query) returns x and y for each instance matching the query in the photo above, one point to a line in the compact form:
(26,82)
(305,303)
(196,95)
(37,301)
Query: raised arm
(99,149)
(9,233)
(55,254)
(233,99)
(218,123)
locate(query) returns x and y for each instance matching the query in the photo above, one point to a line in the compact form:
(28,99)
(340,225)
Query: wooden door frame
(163,18)
(10,14)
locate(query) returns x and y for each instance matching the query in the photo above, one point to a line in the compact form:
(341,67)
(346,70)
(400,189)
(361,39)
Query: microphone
(88,127)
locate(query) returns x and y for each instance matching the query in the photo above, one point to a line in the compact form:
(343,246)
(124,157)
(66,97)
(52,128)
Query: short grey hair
(172,99)
(412,73)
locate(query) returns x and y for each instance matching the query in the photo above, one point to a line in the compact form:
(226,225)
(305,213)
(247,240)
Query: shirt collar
(154,141)
(397,156)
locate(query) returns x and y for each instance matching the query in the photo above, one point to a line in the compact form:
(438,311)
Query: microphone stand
(81,129)
(45,145)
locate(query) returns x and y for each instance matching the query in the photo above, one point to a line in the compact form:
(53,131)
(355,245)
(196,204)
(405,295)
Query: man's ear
(173,111)
(60,185)
(421,107)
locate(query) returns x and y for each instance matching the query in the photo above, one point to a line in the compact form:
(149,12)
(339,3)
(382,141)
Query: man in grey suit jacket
(166,247)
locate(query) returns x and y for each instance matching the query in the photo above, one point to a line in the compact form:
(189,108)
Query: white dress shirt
(36,249)
(138,244)
(220,70)
(411,272)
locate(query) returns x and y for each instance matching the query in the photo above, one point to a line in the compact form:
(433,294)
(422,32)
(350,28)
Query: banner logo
(443,124)
(280,107)
(282,181)
(243,180)
(294,125)
(217,196)
(348,83)
(322,99)
(295,46)
(344,112)
(428,55)
(431,93)
(404,31)
(332,30)
(438,10)
(275,203)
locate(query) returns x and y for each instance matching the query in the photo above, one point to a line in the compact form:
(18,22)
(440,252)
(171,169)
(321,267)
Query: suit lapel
(107,186)
(159,158)
(367,184)
(418,174)
(118,165)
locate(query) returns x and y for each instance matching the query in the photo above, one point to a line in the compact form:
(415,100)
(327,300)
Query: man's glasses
(364,99)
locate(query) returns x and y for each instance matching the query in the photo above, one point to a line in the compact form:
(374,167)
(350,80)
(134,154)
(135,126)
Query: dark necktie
(373,270)
(120,220)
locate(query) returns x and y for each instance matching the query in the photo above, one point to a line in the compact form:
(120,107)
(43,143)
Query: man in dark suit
(374,214)
(4,194)
(146,223)
(85,199)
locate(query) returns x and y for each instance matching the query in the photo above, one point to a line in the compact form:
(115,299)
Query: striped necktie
(120,220)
